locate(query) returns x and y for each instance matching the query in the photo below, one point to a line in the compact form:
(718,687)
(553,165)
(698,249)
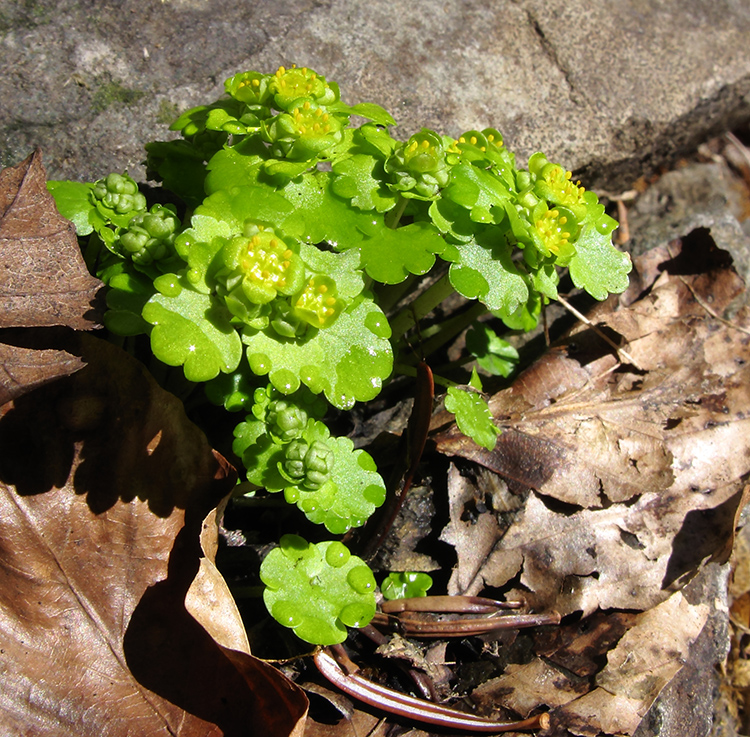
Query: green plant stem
(421,306)
(393,216)
(388,295)
(451,328)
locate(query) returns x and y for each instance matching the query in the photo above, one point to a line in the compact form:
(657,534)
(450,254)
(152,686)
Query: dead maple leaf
(43,279)
(105,487)
(43,282)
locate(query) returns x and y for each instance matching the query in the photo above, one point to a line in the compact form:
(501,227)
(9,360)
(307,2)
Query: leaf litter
(627,482)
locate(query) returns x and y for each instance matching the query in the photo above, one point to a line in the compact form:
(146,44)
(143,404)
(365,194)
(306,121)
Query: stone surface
(610,89)
(688,706)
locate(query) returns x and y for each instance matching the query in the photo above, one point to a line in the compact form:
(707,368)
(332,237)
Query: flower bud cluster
(150,236)
(418,167)
(554,209)
(309,465)
(119,192)
(264,282)
(307,460)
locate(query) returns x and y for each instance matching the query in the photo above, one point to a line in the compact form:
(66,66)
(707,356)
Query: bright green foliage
(317,590)
(418,167)
(472,416)
(119,194)
(495,355)
(182,336)
(307,465)
(286,448)
(74,200)
(286,421)
(295,221)
(234,391)
(347,361)
(405,585)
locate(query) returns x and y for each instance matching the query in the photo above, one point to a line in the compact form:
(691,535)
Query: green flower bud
(294,461)
(554,184)
(284,322)
(119,192)
(318,465)
(249,87)
(552,232)
(285,420)
(418,167)
(150,237)
(318,303)
(309,465)
(258,266)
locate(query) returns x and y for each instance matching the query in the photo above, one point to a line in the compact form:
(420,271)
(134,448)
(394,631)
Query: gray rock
(610,89)
(688,706)
(701,195)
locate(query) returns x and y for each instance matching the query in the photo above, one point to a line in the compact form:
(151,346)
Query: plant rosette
(281,280)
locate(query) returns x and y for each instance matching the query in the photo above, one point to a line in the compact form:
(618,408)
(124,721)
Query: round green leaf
(405,585)
(317,590)
(192,330)
(485,271)
(346,361)
(352,494)
(472,416)
(390,255)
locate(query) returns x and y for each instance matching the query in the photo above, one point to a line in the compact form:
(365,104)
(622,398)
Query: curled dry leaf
(43,279)
(209,599)
(43,282)
(104,486)
(628,481)
(24,368)
(637,473)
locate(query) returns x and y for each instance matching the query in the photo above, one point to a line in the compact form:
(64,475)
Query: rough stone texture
(610,89)
(688,706)
(701,195)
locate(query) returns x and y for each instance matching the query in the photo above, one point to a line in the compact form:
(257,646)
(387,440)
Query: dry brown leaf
(43,279)
(649,465)
(628,480)
(645,660)
(208,599)
(43,282)
(25,368)
(105,487)
(473,535)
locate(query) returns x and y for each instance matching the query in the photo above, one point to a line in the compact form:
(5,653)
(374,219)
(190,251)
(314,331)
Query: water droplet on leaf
(378,325)
(168,285)
(355,615)
(361,580)
(286,613)
(337,554)
(285,381)
(259,363)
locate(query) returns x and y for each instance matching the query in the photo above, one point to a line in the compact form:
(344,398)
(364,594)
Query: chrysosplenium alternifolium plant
(301,231)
